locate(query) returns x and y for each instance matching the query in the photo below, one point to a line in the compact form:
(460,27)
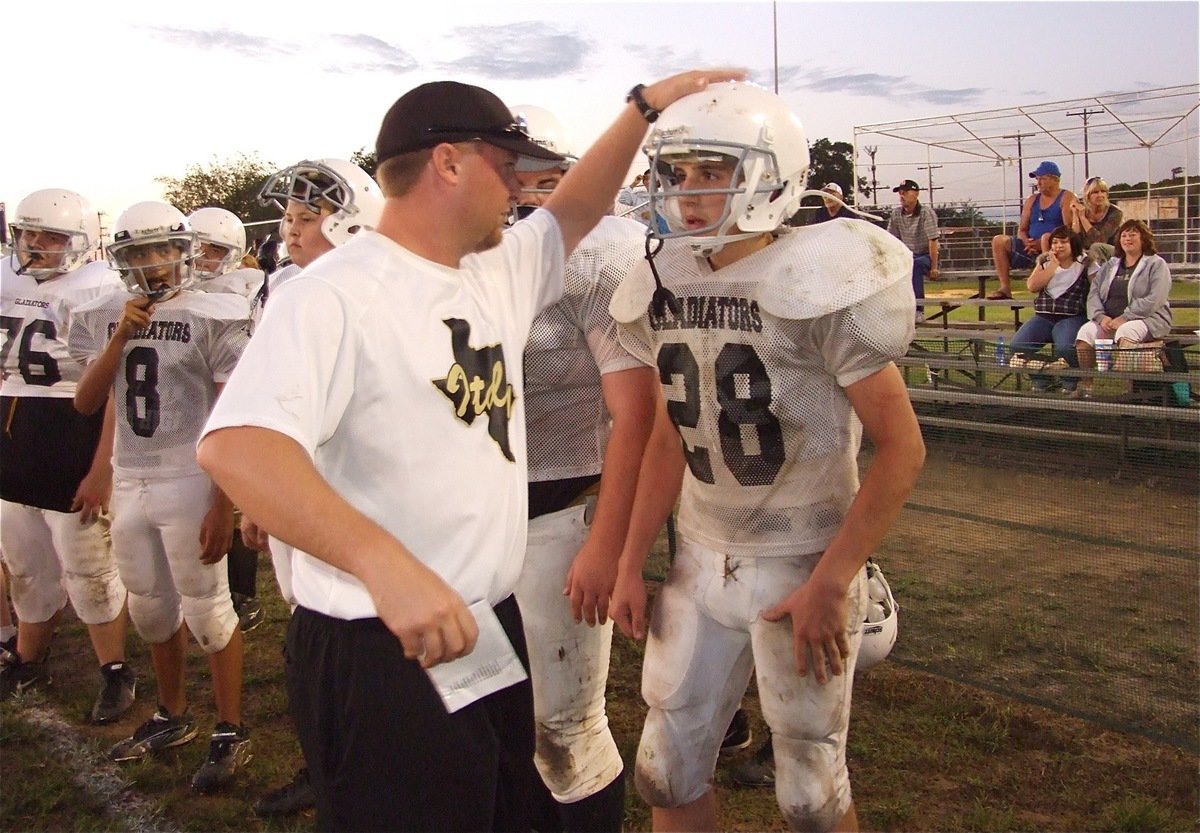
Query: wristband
(639,101)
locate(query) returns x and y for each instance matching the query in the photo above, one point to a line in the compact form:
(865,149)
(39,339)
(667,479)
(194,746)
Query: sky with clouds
(126,91)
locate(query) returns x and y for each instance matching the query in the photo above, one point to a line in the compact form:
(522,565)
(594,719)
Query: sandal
(1000,295)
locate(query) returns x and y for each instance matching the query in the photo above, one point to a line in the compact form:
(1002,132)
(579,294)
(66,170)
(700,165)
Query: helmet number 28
(743,391)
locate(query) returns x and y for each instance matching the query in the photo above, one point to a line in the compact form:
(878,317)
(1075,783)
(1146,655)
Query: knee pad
(211,619)
(811,783)
(156,618)
(577,759)
(90,573)
(33,565)
(664,775)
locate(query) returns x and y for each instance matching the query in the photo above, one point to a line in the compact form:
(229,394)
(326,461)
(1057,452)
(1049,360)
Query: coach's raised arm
(373,424)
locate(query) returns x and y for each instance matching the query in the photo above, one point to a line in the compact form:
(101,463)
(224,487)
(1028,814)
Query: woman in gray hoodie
(1129,301)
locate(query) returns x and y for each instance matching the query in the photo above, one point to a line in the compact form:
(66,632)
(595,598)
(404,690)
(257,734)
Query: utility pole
(1085,112)
(1020,159)
(931,169)
(871,150)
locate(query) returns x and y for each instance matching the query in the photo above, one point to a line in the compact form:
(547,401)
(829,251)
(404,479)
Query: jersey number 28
(744,397)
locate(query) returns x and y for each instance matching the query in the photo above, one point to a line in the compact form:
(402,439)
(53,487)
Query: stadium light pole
(775,37)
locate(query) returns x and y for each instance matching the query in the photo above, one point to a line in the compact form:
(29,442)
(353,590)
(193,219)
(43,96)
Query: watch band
(648,113)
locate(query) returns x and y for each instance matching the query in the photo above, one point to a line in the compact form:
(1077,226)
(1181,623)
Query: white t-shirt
(402,379)
(36,317)
(1063,279)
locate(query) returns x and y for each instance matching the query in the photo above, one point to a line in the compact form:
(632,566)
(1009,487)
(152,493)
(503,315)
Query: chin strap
(825,195)
(663,298)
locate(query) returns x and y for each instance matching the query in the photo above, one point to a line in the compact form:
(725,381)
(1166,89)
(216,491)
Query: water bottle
(1001,355)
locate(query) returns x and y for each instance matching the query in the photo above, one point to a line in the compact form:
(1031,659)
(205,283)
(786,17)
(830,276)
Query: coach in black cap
(393,438)
(917,228)
(447,111)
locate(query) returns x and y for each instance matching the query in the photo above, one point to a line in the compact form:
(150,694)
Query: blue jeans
(921,266)
(1041,330)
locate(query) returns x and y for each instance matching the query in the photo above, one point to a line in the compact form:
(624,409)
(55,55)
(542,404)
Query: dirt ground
(1063,588)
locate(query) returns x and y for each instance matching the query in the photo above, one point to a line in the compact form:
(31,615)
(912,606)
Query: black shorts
(381,749)
(46,448)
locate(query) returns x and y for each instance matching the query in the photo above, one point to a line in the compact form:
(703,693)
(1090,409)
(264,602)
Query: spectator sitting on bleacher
(1096,221)
(1129,301)
(1060,280)
(917,227)
(833,209)
(1043,212)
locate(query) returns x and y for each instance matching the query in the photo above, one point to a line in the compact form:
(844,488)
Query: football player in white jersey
(218,268)
(588,405)
(57,473)
(163,352)
(775,349)
(325,204)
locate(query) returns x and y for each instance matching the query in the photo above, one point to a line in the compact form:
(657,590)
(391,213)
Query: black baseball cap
(906,185)
(447,111)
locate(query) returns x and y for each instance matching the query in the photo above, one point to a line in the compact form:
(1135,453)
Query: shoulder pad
(818,270)
(632,298)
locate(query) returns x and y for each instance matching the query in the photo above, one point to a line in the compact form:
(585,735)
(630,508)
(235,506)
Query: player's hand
(662,94)
(590,584)
(216,534)
(1033,247)
(818,613)
(92,496)
(253,535)
(428,617)
(934,272)
(629,602)
(136,316)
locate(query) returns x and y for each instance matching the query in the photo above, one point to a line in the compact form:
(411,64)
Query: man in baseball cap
(1041,214)
(407,668)
(834,206)
(917,227)
(447,111)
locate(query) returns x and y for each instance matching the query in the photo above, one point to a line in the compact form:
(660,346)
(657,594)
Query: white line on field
(98,777)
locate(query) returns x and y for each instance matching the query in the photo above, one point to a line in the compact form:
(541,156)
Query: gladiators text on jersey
(477,384)
(706,312)
(159,331)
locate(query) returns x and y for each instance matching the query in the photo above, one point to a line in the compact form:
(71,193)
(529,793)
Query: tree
(833,162)
(365,159)
(965,214)
(232,184)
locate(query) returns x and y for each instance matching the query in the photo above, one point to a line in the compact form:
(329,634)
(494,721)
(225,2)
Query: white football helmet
(153,248)
(881,624)
(743,124)
(59,212)
(546,130)
(355,198)
(221,228)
